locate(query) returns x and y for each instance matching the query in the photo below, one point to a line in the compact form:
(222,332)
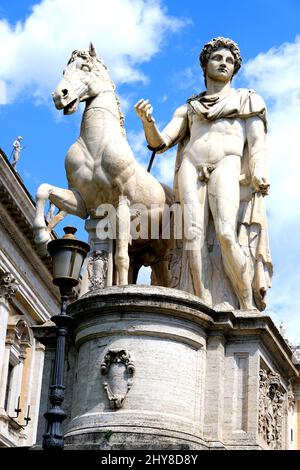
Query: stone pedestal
(99,263)
(154,368)
(140,368)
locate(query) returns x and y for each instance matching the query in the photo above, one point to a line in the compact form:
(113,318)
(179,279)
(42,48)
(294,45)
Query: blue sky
(152,50)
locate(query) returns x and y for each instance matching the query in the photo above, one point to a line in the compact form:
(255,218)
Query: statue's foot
(205,297)
(42,238)
(203,293)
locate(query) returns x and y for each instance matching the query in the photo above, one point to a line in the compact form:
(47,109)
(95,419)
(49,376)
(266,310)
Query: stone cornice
(262,327)
(230,324)
(38,265)
(17,201)
(135,298)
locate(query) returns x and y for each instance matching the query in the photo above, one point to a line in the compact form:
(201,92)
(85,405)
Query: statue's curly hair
(215,44)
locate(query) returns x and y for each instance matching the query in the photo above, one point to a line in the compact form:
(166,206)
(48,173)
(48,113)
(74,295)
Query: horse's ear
(92,50)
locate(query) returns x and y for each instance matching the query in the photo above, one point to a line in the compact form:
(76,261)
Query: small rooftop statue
(16,151)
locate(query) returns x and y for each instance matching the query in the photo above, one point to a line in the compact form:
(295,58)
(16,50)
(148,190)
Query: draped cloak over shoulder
(241,103)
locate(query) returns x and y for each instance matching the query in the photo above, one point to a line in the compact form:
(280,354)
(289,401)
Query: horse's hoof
(42,237)
(41,248)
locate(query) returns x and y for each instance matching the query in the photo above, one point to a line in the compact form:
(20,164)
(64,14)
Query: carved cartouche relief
(97,270)
(119,369)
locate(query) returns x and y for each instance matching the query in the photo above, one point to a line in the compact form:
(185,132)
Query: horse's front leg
(66,200)
(122,241)
(42,236)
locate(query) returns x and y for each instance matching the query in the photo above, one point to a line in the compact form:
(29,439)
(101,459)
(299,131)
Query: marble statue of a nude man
(213,130)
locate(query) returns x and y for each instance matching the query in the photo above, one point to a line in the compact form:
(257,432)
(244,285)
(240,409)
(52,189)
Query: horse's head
(84,77)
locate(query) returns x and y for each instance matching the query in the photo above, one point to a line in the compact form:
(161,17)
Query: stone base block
(154,368)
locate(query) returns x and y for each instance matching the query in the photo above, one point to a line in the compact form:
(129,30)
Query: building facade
(27,298)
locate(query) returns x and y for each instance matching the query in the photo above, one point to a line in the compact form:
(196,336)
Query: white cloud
(276,76)
(164,98)
(137,142)
(125,33)
(2,92)
(276,72)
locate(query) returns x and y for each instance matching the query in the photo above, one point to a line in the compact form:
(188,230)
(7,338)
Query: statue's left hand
(261,184)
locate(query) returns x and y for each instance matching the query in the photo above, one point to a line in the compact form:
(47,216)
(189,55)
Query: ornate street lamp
(68,255)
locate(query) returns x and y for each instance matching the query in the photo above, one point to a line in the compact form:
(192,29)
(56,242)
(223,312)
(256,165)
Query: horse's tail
(56,219)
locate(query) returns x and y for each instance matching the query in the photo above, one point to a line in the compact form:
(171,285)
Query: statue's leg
(193,198)
(224,201)
(42,237)
(65,199)
(122,241)
(68,200)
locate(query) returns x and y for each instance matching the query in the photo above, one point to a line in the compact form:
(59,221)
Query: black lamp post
(68,255)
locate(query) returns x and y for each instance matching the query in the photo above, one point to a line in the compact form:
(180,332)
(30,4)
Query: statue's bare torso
(210,142)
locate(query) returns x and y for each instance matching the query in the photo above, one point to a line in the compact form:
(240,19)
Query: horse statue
(101,169)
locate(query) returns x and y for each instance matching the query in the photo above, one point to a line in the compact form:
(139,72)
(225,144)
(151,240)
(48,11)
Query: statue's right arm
(172,133)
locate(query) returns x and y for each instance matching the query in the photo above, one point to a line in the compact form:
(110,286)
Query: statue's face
(220,65)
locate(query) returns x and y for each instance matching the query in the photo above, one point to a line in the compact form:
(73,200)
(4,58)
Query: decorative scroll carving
(97,270)
(271,399)
(8,286)
(119,368)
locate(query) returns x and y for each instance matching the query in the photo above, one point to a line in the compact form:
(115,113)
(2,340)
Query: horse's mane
(89,58)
